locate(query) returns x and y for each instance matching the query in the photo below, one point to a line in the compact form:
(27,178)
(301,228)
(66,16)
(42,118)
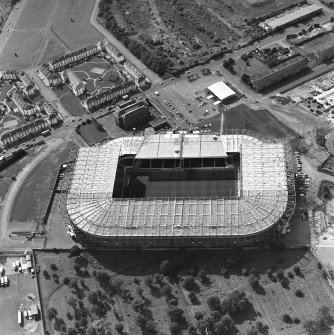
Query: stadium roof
(263,192)
(297,14)
(181,145)
(221,90)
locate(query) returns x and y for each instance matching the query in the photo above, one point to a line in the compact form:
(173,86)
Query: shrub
(173,327)
(148,281)
(166,290)
(51,313)
(119,327)
(192,297)
(299,293)
(166,267)
(253,281)
(141,320)
(202,275)
(151,326)
(296,270)
(280,274)
(175,314)
(290,274)
(286,318)
(244,272)
(224,272)
(46,275)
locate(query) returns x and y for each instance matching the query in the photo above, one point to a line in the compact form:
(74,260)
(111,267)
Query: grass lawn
(91,134)
(73,104)
(80,32)
(33,198)
(128,270)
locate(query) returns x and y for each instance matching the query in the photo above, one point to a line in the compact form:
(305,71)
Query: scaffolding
(264,206)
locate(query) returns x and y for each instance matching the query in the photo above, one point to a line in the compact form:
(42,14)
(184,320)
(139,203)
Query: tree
(214,303)
(141,320)
(166,267)
(189,282)
(226,324)
(46,275)
(119,327)
(296,270)
(310,326)
(139,305)
(280,274)
(244,272)
(151,326)
(51,313)
(66,280)
(192,330)
(74,251)
(198,315)
(173,327)
(192,297)
(253,281)
(175,314)
(299,293)
(83,321)
(102,327)
(202,275)
(92,298)
(53,267)
(72,331)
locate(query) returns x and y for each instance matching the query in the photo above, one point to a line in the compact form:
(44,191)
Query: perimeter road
(131,57)
(16,185)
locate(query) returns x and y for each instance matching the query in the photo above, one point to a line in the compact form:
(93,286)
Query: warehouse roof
(221,90)
(300,13)
(262,201)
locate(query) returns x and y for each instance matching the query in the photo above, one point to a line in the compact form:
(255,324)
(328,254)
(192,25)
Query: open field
(25,44)
(15,295)
(109,124)
(128,271)
(79,33)
(53,49)
(260,121)
(33,198)
(35,14)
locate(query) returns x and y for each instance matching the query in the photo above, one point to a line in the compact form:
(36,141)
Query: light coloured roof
(277,22)
(221,90)
(183,145)
(262,200)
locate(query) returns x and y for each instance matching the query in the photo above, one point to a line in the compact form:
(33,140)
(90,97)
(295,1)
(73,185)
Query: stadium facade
(179,190)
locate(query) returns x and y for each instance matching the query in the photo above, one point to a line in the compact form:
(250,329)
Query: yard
(93,132)
(34,195)
(127,288)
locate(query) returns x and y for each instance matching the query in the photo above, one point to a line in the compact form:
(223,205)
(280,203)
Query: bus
(19,317)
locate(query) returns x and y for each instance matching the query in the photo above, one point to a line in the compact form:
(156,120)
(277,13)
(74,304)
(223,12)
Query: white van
(2,281)
(6,280)
(19,317)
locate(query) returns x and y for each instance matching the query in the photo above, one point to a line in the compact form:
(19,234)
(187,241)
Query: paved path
(131,57)
(15,187)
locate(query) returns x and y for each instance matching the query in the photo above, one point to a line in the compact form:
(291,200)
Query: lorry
(19,317)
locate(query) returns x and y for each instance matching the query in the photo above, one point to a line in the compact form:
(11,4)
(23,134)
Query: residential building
(77,85)
(54,118)
(29,86)
(75,56)
(132,114)
(47,108)
(113,52)
(25,133)
(132,70)
(9,75)
(24,107)
(110,94)
(49,78)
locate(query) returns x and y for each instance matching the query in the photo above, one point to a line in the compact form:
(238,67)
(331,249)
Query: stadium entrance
(173,178)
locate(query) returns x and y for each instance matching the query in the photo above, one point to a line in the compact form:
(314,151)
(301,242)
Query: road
(130,56)
(15,187)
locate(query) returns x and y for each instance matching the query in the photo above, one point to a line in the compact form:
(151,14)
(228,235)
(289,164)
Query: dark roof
(111,90)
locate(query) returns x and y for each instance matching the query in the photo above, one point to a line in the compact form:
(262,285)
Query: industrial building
(132,113)
(179,190)
(290,18)
(221,91)
(266,76)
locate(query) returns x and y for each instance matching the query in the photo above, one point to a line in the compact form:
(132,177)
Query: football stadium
(179,190)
